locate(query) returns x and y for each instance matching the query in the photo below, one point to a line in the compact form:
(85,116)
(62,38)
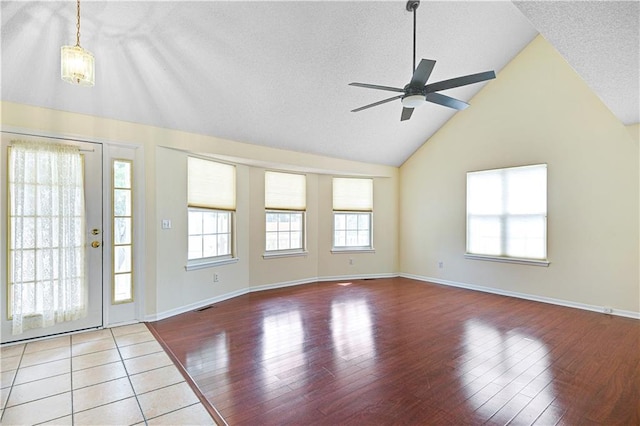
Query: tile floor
(116,376)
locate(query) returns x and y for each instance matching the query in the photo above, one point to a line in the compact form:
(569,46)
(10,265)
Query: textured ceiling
(277,73)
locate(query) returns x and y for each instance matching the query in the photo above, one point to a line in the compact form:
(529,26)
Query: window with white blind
(285,200)
(507,214)
(352,214)
(211,207)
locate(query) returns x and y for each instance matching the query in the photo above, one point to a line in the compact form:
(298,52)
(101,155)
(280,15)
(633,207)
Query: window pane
(122,230)
(363,238)
(484,235)
(210,245)
(195,247)
(296,240)
(224,244)
(272,241)
(209,222)
(284,222)
(122,202)
(272,222)
(122,174)
(352,221)
(223,222)
(195,223)
(352,238)
(296,221)
(526,237)
(339,221)
(363,221)
(122,288)
(122,259)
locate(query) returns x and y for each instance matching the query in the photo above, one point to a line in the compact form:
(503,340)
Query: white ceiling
(276,73)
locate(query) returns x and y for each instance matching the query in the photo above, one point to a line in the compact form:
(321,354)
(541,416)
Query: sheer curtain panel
(46,236)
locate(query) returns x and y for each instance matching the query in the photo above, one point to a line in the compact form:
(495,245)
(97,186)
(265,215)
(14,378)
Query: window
(285,205)
(122,290)
(507,214)
(352,213)
(211,206)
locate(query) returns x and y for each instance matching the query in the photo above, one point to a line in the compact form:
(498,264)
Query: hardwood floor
(399,351)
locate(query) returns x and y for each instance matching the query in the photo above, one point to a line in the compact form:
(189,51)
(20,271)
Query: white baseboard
(533,297)
(206,302)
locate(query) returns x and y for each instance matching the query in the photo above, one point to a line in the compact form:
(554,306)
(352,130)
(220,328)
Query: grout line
(135,394)
(13,381)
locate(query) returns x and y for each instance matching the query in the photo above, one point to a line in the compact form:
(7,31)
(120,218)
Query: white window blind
(211,184)
(507,212)
(352,194)
(285,191)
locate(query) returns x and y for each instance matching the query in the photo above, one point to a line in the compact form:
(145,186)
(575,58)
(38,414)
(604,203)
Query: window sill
(352,250)
(520,261)
(279,254)
(210,264)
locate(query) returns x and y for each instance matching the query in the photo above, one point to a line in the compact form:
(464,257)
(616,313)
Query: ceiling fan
(417,91)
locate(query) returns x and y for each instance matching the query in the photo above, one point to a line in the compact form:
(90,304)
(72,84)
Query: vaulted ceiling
(276,73)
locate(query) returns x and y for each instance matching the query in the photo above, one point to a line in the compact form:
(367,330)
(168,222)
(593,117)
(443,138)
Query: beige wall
(168,287)
(536,111)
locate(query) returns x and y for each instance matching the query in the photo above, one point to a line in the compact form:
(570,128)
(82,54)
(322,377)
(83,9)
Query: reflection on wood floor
(399,351)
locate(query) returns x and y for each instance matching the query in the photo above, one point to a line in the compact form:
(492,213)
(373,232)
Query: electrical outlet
(607,310)
(351,262)
(441,264)
(166,223)
(216,278)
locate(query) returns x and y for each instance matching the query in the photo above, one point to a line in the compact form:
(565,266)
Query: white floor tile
(125,412)
(147,362)
(167,399)
(99,374)
(42,371)
(192,415)
(154,379)
(102,393)
(39,389)
(38,411)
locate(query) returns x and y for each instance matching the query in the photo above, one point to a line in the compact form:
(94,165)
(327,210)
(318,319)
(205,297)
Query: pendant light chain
(78,26)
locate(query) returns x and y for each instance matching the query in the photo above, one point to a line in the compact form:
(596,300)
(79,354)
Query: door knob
(95,244)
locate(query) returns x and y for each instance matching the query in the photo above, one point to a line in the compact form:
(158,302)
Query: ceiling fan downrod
(412,5)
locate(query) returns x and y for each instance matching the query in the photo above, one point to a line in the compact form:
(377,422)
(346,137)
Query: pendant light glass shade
(77,66)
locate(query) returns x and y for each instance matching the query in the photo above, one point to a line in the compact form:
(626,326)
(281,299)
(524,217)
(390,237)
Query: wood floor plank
(400,351)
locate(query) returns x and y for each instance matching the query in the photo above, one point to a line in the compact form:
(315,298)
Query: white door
(93,252)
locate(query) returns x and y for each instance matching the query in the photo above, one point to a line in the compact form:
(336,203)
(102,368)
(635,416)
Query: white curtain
(46,243)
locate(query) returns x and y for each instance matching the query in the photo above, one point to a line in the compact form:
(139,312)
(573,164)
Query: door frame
(110,150)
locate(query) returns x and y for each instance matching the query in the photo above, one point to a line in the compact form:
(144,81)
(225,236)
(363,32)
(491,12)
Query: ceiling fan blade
(406,114)
(440,99)
(460,81)
(422,73)
(374,86)
(377,103)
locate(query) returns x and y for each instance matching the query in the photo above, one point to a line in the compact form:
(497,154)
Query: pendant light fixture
(77,65)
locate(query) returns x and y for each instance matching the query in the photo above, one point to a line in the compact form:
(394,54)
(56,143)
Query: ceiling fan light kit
(417,92)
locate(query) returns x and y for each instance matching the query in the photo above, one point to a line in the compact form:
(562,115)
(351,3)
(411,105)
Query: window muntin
(122,246)
(211,208)
(352,230)
(352,213)
(284,230)
(209,234)
(285,205)
(507,213)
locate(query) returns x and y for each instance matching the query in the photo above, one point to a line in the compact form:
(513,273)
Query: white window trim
(275,254)
(351,249)
(505,259)
(289,252)
(194,265)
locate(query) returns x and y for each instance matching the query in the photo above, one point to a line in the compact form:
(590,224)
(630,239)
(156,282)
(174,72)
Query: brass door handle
(95,244)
